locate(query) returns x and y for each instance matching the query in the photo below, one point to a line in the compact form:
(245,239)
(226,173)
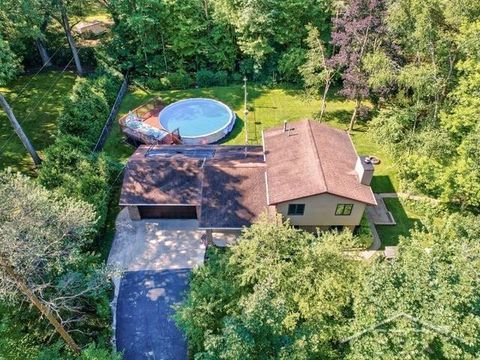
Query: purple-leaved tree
(358,30)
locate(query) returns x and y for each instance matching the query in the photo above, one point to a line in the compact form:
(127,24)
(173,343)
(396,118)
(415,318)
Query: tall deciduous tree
(41,236)
(24,23)
(358,31)
(317,71)
(60,10)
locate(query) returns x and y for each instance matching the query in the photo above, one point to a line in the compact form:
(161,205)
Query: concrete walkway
(376,244)
(408,196)
(157,257)
(379,214)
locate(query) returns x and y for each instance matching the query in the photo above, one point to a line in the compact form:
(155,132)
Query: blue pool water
(198,120)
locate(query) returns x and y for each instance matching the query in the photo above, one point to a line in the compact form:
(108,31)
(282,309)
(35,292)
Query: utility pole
(18,129)
(245,111)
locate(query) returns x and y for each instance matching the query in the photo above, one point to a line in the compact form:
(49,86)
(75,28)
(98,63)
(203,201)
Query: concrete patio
(156,244)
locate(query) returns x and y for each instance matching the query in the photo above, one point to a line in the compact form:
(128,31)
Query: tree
(317,71)
(9,66)
(164,36)
(358,31)
(433,286)
(72,169)
(41,237)
(279,293)
(271,33)
(60,10)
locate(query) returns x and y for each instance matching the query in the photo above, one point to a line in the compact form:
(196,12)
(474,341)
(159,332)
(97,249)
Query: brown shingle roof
(232,179)
(311,158)
(233,196)
(162,181)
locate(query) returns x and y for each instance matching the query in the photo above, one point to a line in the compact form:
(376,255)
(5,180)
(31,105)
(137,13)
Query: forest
(410,69)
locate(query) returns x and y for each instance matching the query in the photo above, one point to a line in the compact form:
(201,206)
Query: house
(305,171)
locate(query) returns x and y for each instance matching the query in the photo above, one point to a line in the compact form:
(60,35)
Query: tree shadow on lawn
(390,235)
(341,117)
(37,110)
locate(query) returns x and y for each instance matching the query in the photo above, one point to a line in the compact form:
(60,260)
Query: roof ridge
(319,162)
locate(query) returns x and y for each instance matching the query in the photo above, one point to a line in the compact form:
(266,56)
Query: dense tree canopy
(282,294)
(9,63)
(251,36)
(425,303)
(44,238)
(278,294)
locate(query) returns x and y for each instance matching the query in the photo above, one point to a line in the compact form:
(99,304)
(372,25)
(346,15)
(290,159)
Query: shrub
(108,83)
(221,78)
(289,63)
(205,78)
(60,158)
(237,77)
(84,112)
(155,84)
(177,80)
(421,174)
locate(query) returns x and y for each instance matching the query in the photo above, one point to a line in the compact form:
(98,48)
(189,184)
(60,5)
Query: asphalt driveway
(145,329)
(156,258)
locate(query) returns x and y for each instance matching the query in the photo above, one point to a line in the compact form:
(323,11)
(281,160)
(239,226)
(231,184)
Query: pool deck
(151,118)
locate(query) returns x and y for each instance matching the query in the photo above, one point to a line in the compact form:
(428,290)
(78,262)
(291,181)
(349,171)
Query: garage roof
(233,196)
(169,181)
(228,182)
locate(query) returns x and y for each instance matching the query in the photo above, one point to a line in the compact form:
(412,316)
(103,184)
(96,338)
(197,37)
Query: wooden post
(245,111)
(19,131)
(38,303)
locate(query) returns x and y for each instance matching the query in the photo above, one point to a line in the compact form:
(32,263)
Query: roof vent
(285,126)
(364,169)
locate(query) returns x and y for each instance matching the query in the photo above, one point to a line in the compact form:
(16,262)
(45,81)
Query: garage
(168,212)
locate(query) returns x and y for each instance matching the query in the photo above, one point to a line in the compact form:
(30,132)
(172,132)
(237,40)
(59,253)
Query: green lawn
(37,110)
(270,108)
(405,218)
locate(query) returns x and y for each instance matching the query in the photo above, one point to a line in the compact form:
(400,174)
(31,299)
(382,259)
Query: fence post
(113,114)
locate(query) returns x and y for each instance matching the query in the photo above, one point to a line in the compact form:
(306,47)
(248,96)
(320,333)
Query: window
(344,209)
(296,209)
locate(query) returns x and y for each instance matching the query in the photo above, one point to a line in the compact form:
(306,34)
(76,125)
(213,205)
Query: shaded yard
(268,107)
(405,218)
(37,110)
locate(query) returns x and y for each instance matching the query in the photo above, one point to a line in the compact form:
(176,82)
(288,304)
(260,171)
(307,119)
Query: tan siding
(320,211)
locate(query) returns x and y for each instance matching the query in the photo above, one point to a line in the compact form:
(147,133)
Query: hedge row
(87,107)
(182,80)
(69,164)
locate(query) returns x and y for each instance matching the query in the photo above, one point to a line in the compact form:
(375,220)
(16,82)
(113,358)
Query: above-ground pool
(199,121)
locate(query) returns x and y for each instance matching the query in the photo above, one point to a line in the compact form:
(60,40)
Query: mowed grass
(269,107)
(37,109)
(405,218)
